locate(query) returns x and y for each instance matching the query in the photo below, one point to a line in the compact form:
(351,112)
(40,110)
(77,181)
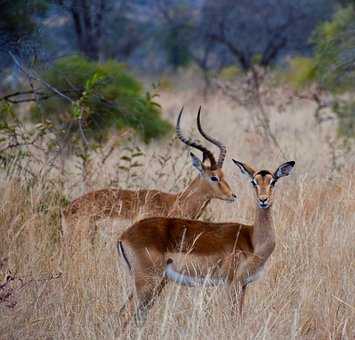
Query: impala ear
(284,169)
(205,158)
(197,163)
(244,168)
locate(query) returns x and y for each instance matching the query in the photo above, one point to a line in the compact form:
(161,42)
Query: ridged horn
(222,148)
(206,153)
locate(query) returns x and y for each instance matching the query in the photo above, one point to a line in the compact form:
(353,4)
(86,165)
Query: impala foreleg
(241,300)
(250,270)
(126,311)
(236,296)
(147,270)
(147,295)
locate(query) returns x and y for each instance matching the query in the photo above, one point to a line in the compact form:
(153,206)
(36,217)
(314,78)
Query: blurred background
(73,72)
(89,96)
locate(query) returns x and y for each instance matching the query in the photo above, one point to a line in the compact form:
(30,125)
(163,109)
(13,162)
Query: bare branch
(32,75)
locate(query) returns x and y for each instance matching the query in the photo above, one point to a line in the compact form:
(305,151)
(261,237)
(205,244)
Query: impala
(209,254)
(131,205)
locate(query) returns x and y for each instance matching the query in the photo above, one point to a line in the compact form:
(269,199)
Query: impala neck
(191,202)
(263,236)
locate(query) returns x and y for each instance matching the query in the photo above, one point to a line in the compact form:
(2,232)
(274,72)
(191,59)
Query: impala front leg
(250,270)
(126,311)
(236,296)
(241,300)
(147,295)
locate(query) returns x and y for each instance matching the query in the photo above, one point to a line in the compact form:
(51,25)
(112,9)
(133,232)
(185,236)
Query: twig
(32,75)
(34,92)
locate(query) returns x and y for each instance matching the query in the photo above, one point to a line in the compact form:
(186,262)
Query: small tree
(259,32)
(334,51)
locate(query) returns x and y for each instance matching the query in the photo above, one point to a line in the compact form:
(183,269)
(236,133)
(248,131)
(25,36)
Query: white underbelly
(256,276)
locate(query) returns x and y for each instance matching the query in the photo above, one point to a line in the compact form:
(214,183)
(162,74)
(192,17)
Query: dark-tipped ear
(244,168)
(197,163)
(284,169)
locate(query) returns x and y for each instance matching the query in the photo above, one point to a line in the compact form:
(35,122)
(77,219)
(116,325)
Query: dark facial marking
(263,173)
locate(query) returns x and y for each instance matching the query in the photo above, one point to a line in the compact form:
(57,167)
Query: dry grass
(308,291)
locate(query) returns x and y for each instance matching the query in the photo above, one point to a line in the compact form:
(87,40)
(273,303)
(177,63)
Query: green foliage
(335,51)
(334,58)
(104,96)
(335,64)
(257,59)
(332,66)
(301,72)
(346,118)
(230,72)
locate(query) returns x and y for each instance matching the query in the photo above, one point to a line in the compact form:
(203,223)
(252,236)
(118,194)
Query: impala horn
(206,153)
(222,148)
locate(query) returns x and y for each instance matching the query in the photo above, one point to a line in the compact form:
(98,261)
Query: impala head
(264,181)
(209,169)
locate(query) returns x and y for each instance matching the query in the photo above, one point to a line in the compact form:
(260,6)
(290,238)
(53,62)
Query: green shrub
(301,72)
(332,66)
(230,72)
(335,51)
(335,60)
(104,96)
(346,119)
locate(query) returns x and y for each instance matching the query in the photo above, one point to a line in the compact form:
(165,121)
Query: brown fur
(234,251)
(133,205)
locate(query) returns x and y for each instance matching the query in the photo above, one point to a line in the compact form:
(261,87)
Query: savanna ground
(308,291)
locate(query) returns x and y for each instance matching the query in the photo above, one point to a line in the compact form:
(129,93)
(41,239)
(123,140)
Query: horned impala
(232,254)
(130,205)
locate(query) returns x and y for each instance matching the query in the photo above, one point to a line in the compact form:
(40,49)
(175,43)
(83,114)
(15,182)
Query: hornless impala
(131,205)
(233,254)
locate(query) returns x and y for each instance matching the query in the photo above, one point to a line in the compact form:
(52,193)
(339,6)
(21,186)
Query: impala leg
(147,295)
(237,297)
(241,300)
(126,311)
(147,268)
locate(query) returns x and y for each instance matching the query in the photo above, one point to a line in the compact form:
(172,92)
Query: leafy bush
(335,62)
(230,72)
(334,55)
(301,71)
(346,118)
(103,96)
(332,66)
(335,51)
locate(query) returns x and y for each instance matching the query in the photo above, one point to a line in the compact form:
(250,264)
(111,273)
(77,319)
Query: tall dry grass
(308,291)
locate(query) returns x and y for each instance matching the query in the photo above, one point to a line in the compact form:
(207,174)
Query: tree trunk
(88,17)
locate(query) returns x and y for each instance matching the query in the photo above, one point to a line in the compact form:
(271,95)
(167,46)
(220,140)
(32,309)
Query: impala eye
(253,183)
(272,183)
(214,178)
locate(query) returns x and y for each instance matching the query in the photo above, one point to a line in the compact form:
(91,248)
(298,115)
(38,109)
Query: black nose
(234,195)
(263,200)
